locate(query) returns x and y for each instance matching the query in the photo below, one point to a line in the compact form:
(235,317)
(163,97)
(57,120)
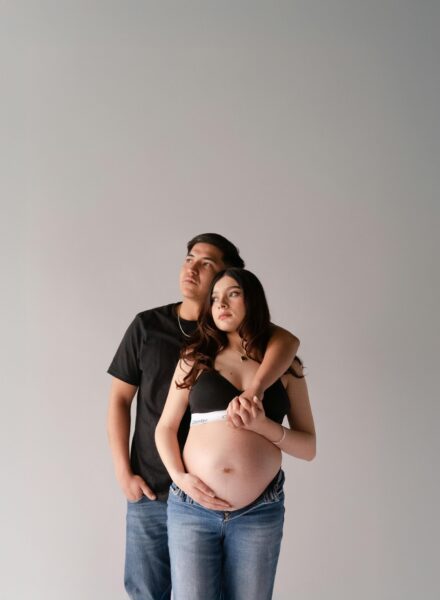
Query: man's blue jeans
(147,562)
(231,555)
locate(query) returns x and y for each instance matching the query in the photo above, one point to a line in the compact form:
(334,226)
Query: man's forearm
(279,355)
(118,427)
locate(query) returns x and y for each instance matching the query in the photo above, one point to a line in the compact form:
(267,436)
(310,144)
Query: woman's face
(227,304)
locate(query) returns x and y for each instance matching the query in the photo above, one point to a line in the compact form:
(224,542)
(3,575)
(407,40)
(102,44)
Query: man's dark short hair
(231,254)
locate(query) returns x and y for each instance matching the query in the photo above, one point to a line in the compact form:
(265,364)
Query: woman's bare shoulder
(295,373)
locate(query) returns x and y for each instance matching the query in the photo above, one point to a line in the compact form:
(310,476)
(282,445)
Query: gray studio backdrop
(307,132)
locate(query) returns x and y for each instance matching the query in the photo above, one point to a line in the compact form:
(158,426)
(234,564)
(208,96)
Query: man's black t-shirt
(147,357)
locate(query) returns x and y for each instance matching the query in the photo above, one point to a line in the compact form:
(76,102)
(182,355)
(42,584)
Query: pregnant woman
(226,502)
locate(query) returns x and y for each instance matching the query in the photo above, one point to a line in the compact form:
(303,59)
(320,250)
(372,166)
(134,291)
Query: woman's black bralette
(212,392)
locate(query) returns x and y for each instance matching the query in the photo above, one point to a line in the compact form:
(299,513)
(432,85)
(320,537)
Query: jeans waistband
(274,488)
(272,493)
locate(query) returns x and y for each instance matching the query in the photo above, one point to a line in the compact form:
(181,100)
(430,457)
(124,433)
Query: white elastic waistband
(215,415)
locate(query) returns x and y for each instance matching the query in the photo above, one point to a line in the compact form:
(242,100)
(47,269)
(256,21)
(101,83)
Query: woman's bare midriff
(236,464)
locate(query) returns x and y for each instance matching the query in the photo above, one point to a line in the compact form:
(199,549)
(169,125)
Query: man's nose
(193,268)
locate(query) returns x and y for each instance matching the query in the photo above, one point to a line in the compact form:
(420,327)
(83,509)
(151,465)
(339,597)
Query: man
(145,363)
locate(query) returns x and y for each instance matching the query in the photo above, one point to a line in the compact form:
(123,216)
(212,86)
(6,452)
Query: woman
(225,507)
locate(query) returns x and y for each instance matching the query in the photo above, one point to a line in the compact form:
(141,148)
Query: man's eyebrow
(213,260)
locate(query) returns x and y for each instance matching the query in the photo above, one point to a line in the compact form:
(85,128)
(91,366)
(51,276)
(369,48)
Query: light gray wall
(307,132)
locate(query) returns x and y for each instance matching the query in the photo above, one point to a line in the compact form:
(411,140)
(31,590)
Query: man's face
(198,270)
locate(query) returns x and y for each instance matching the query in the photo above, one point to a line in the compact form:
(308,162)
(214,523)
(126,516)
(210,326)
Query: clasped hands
(246,411)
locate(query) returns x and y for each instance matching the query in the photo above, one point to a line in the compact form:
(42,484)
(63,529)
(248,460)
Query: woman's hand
(199,491)
(247,414)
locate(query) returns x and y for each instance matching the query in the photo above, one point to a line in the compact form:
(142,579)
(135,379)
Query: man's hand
(251,391)
(246,414)
(134,487)
(200,492)
(233,409)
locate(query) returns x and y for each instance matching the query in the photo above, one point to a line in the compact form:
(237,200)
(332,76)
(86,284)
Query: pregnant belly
(236,464)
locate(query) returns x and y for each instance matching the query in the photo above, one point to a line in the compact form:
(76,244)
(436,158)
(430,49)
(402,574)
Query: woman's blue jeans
(230,555)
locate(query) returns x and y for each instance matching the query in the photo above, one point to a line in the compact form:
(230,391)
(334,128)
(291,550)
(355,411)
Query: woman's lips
(224,315)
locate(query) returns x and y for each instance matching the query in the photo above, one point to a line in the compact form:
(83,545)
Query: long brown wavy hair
(255,329)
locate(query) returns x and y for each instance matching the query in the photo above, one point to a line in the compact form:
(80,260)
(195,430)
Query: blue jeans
(147,562)
(231,555)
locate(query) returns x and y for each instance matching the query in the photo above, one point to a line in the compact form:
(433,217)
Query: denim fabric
(219,554)
(147,563)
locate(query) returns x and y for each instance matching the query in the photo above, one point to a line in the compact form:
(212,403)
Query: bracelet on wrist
(282,437)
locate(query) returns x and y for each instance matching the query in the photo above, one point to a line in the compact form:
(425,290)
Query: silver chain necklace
(188,335)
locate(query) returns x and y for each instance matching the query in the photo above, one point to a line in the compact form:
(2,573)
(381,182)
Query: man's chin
(190,292)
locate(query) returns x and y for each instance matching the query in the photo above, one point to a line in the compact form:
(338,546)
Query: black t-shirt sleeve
(126,362)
